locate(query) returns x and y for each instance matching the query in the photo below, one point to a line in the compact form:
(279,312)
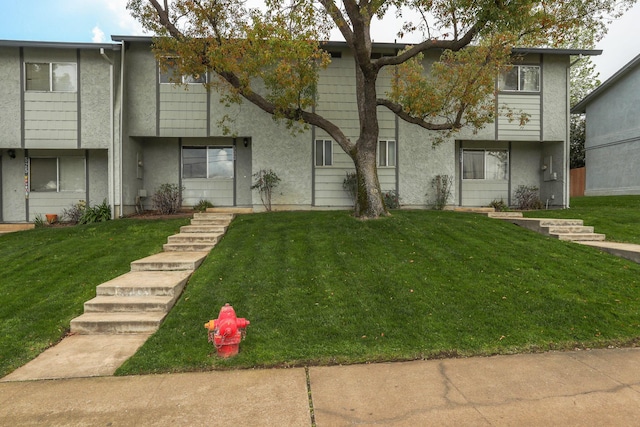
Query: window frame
(58,174)
(326,143)
(207,161)
(51,86)
(519,79)
(184,78)
(486,152)
(387,161)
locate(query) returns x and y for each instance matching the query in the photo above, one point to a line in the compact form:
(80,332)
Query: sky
(97,20)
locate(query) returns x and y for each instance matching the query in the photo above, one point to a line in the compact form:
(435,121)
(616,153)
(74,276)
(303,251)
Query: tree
(271,57)
(584,79)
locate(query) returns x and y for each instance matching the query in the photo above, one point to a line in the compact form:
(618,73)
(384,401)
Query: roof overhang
(581,107)
(58,45)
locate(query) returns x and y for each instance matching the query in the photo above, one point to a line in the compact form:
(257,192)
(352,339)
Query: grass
(616,216)
(324,288)
(48,273)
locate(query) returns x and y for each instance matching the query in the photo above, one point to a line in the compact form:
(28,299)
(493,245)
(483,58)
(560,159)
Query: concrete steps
(137,302)
(562,229)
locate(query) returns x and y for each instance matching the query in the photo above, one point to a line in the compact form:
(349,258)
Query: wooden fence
(577,178)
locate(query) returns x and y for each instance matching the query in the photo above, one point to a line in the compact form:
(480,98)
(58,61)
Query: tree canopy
(272,56)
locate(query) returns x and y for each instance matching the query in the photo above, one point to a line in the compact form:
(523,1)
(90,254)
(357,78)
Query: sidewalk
(596,387)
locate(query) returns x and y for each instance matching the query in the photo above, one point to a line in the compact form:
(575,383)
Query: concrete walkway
(596,387)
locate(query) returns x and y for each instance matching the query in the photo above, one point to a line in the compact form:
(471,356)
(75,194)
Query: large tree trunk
(369,201)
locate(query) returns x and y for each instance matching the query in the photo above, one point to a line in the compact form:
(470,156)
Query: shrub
(202,206)
(350,185)
(499,205)
(266,181)
(391,199)
(98,213)
(527,197)
(167,199)
(75,212)
(442,185)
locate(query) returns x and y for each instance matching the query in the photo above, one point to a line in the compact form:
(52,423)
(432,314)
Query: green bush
(391,199)
(499,205)
(202,206)
(265,182)
(98,213)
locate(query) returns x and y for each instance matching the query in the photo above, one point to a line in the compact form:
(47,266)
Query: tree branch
(401,113)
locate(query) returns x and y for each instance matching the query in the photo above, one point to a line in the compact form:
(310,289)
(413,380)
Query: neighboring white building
(100,121)
(612,146)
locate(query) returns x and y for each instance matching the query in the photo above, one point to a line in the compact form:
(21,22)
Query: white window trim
(519,90)
(51,64)
(386,160)
(324,153)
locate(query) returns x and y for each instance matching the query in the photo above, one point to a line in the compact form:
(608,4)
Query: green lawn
(46,275)
(324,288)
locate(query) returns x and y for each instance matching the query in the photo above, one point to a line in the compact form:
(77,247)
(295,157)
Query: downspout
(113,142)
(567,146)
(121,127)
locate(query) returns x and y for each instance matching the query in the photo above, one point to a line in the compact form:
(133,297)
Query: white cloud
(98,35)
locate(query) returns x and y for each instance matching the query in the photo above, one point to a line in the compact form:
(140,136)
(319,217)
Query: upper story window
(324,152)
(387,153)
(170,75)
(51,77)
(520,78)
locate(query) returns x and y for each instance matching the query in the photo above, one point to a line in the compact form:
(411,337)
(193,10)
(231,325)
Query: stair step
(117,323)
(550,222)
(577,237)
(214,215)
(169,261)
(12,227)
(212,221)
(145,283)
(187,247)
(230,210)
(571,229)
(203,228)
(504,214)
(211,238)
(118,304)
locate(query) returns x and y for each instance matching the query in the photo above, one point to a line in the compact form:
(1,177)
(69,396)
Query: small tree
(266,181)
(442,185)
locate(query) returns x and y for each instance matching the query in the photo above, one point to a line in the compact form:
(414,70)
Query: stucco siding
(555,98)
(98,170)
(10,99)
(613,169)
(141,72)
(13,191)
(95,96)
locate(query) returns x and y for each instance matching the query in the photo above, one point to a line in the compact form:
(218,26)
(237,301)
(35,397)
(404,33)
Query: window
(523,78)
(51,77)
(485,164)
(57,174)
(387,153)
(324,152)
(207,162)
(170,75)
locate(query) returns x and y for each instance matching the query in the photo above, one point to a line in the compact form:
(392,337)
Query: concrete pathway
(596,387)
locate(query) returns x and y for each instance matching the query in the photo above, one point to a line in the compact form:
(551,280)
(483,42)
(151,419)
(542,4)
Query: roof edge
(581,107)
(58,45)
(396,45)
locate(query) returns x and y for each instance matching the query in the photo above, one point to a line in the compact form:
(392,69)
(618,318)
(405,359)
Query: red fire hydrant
(227,331)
